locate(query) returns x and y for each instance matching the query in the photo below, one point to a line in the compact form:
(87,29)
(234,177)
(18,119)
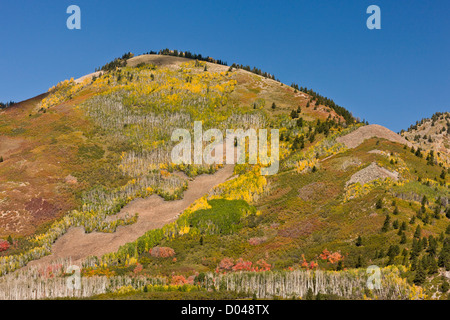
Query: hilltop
(431,134)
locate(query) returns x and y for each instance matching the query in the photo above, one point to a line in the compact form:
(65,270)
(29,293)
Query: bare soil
(370,173)
(355,138)
(153,211)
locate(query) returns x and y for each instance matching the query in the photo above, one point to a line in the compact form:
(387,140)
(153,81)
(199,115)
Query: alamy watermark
(258,147)
(74,20)
(374,279)
(73,281)
(374,21)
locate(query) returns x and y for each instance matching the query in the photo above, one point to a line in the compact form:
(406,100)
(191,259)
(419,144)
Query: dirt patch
(376,151)
(317,191)
(153,211)
(41,210)
(257,240)
(355,138)
(9,146)
(88,76)
(350,162)
(371,173)
(70,179)
(300,229)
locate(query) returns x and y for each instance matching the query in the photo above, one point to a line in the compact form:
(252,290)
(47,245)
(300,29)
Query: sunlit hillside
(87,178)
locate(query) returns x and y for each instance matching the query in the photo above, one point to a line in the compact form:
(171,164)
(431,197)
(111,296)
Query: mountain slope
(432,134)
(346,195)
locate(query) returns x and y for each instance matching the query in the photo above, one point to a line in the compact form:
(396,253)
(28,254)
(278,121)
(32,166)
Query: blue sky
(393,76)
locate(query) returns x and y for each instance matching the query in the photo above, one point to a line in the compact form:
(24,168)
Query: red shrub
(4,245)
(226,263)
(178,280)
(138,268)
(331,257)
(242,265)
(162,252)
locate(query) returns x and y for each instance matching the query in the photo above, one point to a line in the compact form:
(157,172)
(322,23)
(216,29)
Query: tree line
(4,105)
(321,100)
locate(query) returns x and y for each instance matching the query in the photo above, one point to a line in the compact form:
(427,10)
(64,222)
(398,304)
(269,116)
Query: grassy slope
(64,141)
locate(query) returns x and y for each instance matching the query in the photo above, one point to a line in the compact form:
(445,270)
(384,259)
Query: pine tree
(395,224)
(379,204)
(403,239)
(358,241)
(444,255)
(294,114)
(433,266)
(386,224)
(420,275)
(404,226)
(445,286)
(359,263)
(309,295)
(418,232)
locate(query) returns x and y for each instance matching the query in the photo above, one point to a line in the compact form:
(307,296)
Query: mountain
(432,134)
(87,175)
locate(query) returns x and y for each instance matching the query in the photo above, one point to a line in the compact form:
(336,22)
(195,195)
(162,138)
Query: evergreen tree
(358,241)
(404,226)
(359,262)
(395,224)
(294,114)
(444,255)
(393,251)
(433,266)
(420,275)
(424,242)
(309,295)
(418,232)
(379,204)
(386,224)
(403,238)
(445,286)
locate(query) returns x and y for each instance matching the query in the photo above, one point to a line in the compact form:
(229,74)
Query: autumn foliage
(162,252)
(228,264)
(331,257)
(4,245)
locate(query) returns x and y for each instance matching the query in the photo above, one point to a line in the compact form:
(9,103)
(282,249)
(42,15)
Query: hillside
(432,134)
(87,178)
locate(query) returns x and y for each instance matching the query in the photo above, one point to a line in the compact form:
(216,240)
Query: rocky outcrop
(371,173)
(355,138)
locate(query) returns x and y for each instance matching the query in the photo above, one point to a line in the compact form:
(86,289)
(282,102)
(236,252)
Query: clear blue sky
(393,76)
